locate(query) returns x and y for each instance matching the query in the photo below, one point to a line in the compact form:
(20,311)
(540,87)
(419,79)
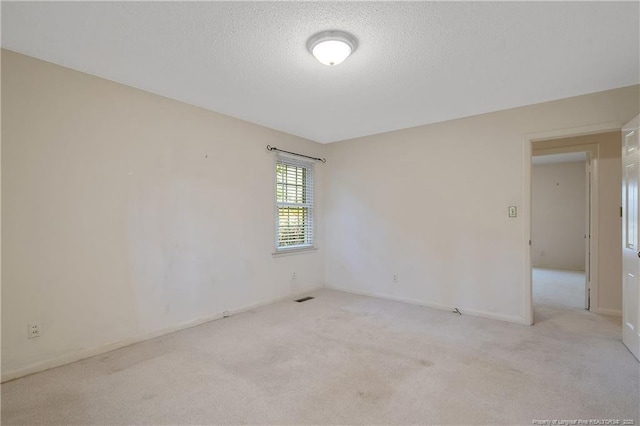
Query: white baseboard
(494,316)
(274,300)
(605,311)
(90,352)
(464,311)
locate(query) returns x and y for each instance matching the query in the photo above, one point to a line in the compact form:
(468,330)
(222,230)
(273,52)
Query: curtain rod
(273,148)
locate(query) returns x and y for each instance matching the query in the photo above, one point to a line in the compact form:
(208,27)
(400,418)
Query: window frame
(309,183)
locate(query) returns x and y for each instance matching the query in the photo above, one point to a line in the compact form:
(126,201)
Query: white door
(630,226)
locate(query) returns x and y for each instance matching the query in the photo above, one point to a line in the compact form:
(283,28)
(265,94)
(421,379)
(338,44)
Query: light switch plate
(513,211)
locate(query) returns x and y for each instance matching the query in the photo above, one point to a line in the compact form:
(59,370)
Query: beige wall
(429,204)
(608,295)
(128,214)
(558,215)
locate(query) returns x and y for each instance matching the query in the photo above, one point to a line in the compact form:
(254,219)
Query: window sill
(291,252)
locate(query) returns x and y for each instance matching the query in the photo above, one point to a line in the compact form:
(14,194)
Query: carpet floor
(348,359)
(555,291)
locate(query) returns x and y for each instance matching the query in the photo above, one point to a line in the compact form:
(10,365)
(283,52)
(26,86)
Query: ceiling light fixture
(332,47)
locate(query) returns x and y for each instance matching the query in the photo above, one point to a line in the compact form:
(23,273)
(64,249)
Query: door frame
(528,140)
(591,212)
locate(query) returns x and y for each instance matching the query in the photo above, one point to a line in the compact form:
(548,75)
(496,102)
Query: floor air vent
(304,299)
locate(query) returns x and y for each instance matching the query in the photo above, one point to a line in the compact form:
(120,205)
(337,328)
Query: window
(294,204)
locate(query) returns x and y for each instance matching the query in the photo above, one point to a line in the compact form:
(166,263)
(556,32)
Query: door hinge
(620,211)
(529,242)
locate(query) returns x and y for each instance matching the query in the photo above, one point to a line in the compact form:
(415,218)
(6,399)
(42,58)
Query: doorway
(560,231)
(605,271)
(603,144)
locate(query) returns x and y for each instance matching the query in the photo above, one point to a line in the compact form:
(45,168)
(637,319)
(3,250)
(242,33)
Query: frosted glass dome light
(332,47)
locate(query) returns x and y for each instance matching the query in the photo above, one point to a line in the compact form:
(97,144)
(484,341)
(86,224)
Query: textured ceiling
(417,62)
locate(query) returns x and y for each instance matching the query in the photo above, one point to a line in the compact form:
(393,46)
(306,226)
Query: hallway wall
(558,215)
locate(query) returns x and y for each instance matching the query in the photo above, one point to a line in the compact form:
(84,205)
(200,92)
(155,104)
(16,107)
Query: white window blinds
(294,203)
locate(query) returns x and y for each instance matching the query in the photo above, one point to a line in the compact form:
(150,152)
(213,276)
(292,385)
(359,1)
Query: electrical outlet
(33,330)
(513,211)
(293,276)
(395,278)
(226,314)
